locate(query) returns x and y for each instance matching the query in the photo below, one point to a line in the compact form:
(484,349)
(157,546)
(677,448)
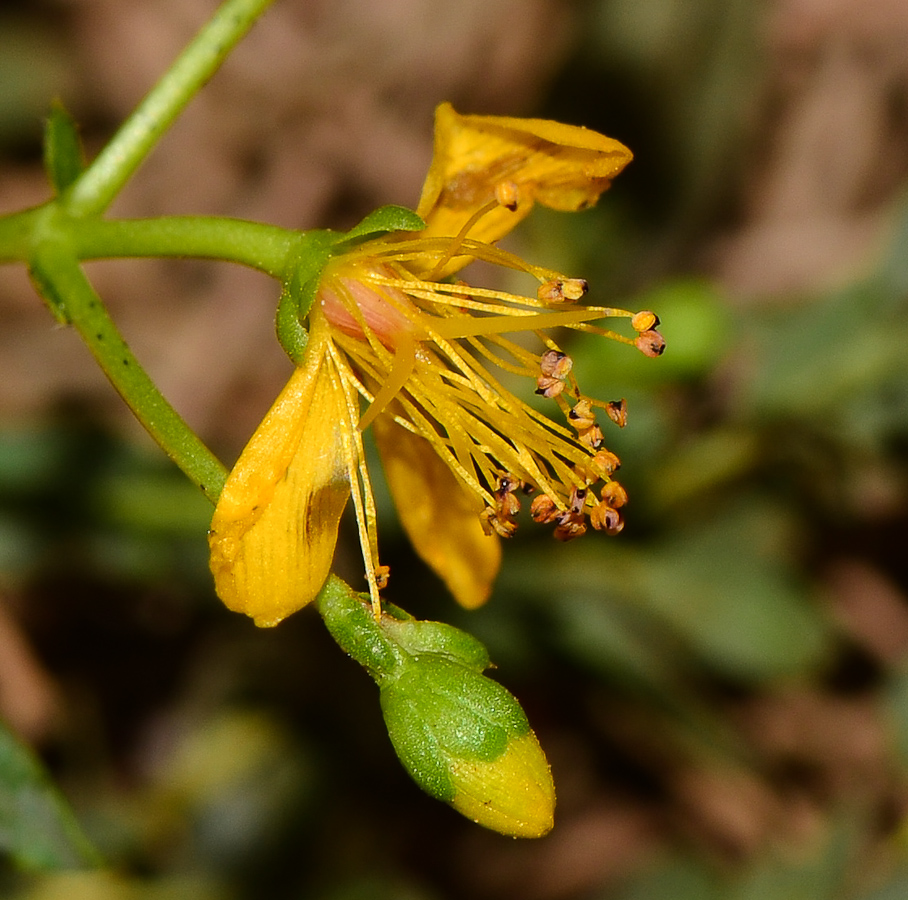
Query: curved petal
(564,167)
(437,515)
(274,530)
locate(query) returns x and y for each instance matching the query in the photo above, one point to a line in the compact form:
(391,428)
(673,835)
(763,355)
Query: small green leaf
(63,156)
(37,827)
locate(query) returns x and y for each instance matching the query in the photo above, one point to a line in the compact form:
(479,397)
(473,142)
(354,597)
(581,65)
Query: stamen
(617,412)
(650,343)
(360,488)
(457,242)
(644,320)
(507,194)
(606,518)
(614,494)
(557,290)
(425,354)
(544,510)
(555,367)
(404,362)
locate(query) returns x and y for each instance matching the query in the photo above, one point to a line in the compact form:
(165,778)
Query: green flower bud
(462,737)
(465,740)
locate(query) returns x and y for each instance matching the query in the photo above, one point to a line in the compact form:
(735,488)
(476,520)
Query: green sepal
(299,289)
(438,712)
(64,159)
(383,220)
(383,647)
(417,637)
(348,618)
(300,285)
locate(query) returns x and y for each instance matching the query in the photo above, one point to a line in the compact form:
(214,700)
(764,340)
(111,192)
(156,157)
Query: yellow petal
(564,167)
(274,530)
(513,794)
(437,514)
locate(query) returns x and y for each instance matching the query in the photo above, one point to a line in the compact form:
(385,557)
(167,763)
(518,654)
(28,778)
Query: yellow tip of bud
(513,794)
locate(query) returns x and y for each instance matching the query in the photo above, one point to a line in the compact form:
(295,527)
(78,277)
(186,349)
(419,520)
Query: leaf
(37,827)
(63,156)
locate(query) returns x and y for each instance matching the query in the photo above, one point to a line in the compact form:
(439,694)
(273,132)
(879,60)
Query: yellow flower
(395,345)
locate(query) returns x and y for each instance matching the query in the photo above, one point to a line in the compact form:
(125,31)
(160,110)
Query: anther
(591,437)
(491,521)
(605,463)
(614,494)
(506,484)
(578,499)
(650,343)
(644,321)
(544,510)
(617,412)
(507,194)
(581,415)
(575,288)
(507,506)
(555,364)
(605,518)
(570,526)
(549,387)
(382,575)
(557,290)
(555,367)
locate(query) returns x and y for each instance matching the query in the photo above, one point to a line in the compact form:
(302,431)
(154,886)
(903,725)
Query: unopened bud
(465,739)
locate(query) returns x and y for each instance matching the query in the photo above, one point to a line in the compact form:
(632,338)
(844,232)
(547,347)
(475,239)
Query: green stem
(265,247)
(57,274)
(16,231)
(94,190)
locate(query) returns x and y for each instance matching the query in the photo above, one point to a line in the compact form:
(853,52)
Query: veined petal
(274,530)
(564,167)
(436,512)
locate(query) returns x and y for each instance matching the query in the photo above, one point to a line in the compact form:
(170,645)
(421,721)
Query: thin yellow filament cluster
(428,354)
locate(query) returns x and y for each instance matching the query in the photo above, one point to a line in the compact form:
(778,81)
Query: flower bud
(465,739)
